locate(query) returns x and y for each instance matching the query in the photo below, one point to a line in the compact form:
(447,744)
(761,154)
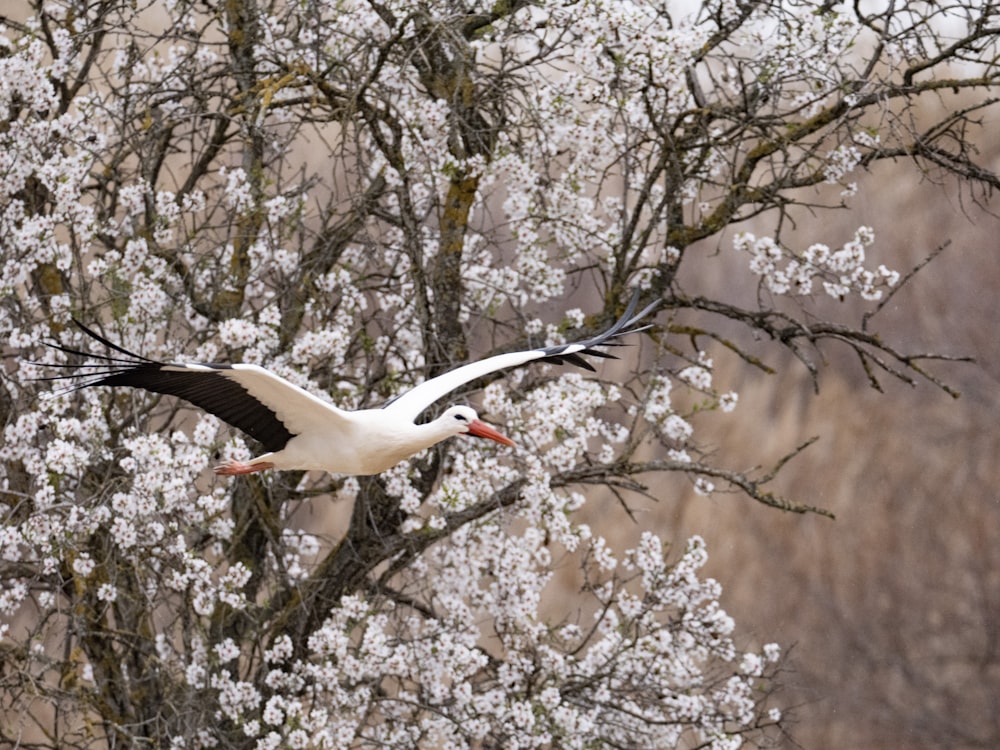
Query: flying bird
(303,432)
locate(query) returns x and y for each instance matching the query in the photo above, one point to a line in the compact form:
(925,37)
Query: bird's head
(466,422)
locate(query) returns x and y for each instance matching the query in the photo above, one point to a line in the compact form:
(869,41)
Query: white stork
(302,432)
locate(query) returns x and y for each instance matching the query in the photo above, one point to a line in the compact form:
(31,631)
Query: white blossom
(83,565)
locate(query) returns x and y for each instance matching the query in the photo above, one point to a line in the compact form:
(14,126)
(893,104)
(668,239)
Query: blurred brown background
(892,611)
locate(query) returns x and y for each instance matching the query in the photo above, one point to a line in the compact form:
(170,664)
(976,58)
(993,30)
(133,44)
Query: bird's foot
(235,468)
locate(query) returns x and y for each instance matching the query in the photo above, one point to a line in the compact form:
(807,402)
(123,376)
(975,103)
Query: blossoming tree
(360,195)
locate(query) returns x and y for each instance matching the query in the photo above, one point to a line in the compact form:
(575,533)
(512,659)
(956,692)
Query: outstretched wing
(248,397)
(410,404)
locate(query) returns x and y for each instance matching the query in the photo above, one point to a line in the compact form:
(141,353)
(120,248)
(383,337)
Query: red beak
(483,430)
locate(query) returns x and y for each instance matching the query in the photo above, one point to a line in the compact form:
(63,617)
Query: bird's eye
(461,418)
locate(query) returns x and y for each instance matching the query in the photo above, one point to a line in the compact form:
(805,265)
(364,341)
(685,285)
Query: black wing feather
(622,327)
(210,390)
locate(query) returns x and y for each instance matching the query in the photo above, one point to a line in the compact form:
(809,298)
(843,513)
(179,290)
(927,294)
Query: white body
(356,442)
(365,442)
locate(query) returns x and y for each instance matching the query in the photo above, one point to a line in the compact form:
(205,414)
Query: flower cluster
(431,683)
(841,272)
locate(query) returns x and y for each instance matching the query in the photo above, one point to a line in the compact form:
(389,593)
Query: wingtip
(642,313)
(632,304)
(110,344)
(629,318)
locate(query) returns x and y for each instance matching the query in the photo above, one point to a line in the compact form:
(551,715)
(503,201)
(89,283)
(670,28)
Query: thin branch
(751,487)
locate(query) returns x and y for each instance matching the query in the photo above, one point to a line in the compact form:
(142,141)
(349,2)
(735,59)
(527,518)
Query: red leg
(234,468)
